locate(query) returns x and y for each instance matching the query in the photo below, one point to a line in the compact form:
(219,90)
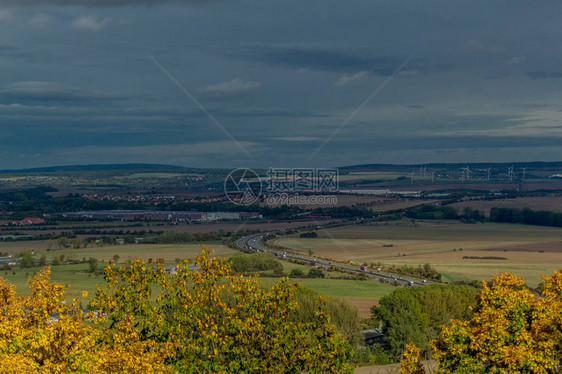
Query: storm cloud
(78,83)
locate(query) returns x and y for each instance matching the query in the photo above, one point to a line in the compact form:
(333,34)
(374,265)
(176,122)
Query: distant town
(152,215)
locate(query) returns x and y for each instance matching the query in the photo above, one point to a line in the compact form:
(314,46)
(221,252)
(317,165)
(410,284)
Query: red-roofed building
(32,221)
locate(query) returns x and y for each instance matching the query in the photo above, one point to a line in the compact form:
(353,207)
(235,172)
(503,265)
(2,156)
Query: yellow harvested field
(529,251)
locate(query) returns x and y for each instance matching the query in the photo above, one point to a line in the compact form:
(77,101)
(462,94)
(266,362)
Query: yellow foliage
(205,321)
(511,331)
(411,360)
(30,342)
(220,321)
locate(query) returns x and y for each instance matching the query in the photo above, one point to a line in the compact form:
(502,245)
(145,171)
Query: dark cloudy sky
(79,85)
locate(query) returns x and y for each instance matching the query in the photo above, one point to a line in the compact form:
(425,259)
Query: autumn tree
(411,360)
(31,341)
(511,331)
(220,321)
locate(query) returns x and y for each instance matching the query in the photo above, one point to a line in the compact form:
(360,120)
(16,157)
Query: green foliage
(220,322)
(63,242)
(310,234)
(343,315)
(255,262)
(316,273)
(426,271)
(470,215)
(92,265)
(182,237)
(526,216)
(416,314)
(297,273)
(433,212)
(511,330)
(26,260)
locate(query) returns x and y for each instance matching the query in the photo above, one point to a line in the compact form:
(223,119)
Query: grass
(439,244)
(78,279)
(341,288)
(169,252)
(74,276)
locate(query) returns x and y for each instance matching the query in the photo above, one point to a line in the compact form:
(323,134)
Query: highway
(254,243)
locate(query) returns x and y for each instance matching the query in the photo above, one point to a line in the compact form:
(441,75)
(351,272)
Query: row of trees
(509,215)
(29,260)
(526,216)
(426,271)
(445,212)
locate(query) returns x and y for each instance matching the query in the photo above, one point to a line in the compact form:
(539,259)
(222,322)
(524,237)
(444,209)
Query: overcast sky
(287,82)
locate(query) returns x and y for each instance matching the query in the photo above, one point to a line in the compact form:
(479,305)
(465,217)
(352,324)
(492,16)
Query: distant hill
(95,167)
(376,167)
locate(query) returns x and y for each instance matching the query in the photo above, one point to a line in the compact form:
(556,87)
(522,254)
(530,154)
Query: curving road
(254,243)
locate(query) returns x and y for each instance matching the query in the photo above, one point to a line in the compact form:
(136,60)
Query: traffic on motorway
(255,243)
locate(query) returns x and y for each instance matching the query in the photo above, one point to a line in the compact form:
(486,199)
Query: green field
(169,252)
(362,294)
(74,276)
(77,276)
(529,251)
(342,288)
(78,279)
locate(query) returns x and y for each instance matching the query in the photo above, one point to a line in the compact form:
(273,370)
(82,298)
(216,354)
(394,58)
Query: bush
(26,260)
(316,273)
(297,273)
(308,235)
(261,261)
(92,265)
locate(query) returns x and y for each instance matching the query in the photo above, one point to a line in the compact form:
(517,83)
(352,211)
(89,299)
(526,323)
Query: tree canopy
(511,330)
(191,321)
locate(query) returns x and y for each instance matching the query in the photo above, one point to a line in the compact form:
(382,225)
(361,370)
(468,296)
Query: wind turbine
(489,169)
(467,172)
(524,169)
(432,176)
(412,177)
(510,173)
